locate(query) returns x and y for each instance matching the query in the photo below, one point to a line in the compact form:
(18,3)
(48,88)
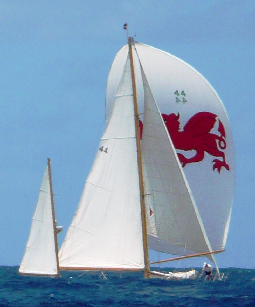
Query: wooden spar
(143,212)
(189,256)
(98,269)
(53,217)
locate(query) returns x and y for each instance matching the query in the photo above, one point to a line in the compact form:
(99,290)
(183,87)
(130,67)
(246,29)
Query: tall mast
(137,128)
(53,217)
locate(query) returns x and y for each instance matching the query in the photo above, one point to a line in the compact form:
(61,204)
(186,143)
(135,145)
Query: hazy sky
(54,63)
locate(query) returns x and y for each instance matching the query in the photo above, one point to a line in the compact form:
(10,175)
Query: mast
(139,160)
(53,217)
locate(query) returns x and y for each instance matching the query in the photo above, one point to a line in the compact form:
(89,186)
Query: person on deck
(207,268)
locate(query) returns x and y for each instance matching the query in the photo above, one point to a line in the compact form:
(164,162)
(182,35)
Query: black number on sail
(103,150)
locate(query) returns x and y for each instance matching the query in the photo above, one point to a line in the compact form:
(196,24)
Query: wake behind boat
(163,175)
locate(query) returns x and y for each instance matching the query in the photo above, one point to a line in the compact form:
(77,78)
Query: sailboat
(41,254)
(163,175)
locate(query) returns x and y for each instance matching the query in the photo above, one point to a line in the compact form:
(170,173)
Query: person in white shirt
(207,268)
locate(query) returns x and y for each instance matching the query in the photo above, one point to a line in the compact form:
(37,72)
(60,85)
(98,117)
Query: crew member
(207,268)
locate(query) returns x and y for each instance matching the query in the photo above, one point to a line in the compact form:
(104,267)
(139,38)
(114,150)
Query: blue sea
(124,289)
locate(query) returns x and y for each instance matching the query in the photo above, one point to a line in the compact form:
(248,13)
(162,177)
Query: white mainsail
(106,231)
(41,255)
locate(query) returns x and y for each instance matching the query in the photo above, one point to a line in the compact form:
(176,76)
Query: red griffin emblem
(196,136)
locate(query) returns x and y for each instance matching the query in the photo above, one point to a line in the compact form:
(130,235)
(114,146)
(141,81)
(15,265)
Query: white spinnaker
(106,231)
(176,217)
(166,74)
(40,254)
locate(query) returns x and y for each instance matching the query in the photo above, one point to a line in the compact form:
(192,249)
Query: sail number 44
(102,149)
(180,96)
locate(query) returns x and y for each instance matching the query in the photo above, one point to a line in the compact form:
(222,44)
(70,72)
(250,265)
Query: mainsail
(41,254)
(106,231)
(187,162)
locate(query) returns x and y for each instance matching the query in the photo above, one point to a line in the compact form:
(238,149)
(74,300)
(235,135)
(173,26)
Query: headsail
(41,255)
(106,231)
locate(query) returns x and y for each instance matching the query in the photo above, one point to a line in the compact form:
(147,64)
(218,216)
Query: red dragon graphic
(197,135)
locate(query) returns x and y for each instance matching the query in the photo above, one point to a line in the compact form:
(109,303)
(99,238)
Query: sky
(54,63)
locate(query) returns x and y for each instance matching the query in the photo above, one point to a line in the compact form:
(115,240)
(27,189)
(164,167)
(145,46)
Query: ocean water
(124,289)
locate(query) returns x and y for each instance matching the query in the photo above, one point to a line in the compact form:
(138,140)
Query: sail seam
(98,186)
(124,95)
(82,229)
